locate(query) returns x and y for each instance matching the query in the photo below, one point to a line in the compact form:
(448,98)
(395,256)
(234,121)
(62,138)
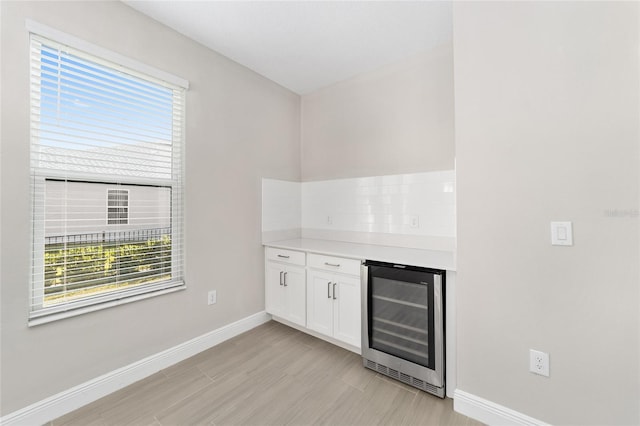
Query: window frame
(118,220)
(38,313)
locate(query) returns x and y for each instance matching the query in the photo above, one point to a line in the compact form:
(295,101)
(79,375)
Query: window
(117,207)
(101,126)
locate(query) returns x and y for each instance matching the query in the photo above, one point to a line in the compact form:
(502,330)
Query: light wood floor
(271,375)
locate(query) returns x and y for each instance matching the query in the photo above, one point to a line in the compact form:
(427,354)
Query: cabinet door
(320,302)
(295,293)
(275,297)
(346,317)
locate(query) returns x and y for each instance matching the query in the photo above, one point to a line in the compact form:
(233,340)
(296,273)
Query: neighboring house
(83,196)
(74,208)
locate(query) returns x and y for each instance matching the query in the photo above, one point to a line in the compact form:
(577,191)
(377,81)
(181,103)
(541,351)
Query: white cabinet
(320,293)
(333,298)
(285,289)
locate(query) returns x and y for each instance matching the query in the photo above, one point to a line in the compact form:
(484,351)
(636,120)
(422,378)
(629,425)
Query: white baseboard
(71,399)
(489,412)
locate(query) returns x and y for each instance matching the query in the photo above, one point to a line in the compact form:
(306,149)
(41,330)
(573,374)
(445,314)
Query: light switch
(561,234)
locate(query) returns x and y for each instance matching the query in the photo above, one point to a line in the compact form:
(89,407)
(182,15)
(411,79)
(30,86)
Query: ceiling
(306,45)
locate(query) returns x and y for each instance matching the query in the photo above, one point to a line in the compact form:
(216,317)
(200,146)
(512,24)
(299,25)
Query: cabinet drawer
(286,256)
(335,264)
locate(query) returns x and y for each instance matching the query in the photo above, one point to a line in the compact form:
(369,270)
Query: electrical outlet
(414,221)
(329,220)
(539,362)
(213,297)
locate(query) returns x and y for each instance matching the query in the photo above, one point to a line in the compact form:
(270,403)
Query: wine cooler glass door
(402,319)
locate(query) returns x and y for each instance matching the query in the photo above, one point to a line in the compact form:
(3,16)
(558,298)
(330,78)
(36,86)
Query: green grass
(73,271)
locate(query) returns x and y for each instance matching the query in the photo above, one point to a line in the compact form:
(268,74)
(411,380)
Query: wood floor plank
(270,375)
(154,397)
(358,376)
(323,395)
(80,418)
(202,408)
(381,400)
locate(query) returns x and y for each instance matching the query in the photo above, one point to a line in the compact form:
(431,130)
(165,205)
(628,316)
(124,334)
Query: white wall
(398,119)
(239,128)
(546,103)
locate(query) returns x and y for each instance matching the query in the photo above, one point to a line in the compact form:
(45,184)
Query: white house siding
(73,208)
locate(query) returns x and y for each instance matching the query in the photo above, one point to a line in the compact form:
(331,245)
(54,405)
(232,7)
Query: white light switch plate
(561,234)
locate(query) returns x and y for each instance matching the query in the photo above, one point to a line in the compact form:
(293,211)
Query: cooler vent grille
(405,378)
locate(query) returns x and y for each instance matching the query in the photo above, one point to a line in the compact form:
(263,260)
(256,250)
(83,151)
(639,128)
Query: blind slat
(95,121)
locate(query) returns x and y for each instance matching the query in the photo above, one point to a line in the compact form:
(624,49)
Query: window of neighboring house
(117,207)
(99,122)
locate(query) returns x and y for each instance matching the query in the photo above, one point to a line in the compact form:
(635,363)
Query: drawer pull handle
(283,256)
(285,279)
(336,265)
(334,291)
(329,290)
(281,277)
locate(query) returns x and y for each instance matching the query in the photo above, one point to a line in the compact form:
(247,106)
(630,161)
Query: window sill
(44,319)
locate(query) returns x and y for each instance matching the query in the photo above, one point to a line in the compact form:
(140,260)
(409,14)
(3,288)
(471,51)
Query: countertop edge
(436,259)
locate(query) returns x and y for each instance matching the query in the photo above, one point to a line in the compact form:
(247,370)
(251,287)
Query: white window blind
(101,128)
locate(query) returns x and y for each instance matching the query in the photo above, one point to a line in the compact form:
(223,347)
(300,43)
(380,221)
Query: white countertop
(425,258)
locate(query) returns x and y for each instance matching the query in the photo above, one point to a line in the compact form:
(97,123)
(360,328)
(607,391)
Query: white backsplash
(410,204)
(392,209)
(281,205)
